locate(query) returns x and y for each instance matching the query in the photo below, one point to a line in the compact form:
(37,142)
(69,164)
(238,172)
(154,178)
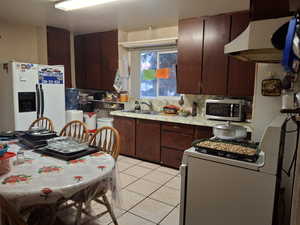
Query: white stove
(218,191)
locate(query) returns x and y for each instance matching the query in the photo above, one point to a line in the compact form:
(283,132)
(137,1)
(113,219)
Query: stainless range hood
(254,44)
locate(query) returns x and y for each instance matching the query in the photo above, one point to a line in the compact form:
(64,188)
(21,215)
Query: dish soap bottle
(194,109)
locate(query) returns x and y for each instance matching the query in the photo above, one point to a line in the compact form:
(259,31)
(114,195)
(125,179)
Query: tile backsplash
(159,103)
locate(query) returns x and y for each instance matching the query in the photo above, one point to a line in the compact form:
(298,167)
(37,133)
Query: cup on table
(20,157)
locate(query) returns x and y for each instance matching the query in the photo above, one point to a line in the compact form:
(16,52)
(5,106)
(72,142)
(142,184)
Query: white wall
(265,109)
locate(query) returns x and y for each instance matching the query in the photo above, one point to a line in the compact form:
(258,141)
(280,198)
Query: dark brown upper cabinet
(203,68)
(267,9)
(96,59)
(241,74)
(215,62)
(58,47)
(190,45)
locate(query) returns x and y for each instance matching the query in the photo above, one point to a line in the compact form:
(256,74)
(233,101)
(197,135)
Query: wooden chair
(42,122)
(10,216)
(107,139)
(75,129)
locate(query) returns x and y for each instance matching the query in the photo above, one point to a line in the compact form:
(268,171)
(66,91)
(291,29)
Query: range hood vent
(254,44)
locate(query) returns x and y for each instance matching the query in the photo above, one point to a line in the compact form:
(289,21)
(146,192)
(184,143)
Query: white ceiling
(125,14)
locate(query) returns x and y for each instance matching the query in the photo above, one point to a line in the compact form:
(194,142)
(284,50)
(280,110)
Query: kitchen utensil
(5,165)
(124,96)
(271,87)
(194,109)
(229,149)
(3,149)
(183,113)
(288,98)
(181,101)
(66,145)
(229,131)
(100,95)
(170,109)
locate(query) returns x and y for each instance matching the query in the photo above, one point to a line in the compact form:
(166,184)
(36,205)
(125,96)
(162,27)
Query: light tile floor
(150,194)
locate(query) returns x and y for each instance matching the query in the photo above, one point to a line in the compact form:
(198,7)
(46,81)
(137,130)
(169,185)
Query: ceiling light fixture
(78,4)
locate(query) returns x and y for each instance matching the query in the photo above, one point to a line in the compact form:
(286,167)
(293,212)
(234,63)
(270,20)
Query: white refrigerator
(30,91)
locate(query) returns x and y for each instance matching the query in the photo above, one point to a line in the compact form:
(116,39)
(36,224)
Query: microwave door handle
(231,110)
(38,99)
(42,101)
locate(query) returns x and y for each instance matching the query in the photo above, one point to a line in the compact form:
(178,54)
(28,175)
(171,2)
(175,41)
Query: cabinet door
(58,46)
(267,9)
(92,61)
(79,63)
(190,44)
(203,132)
(109,59)
(148,140)
(126,128)
(96,58)
(171,157)
(241,74)
(215,62)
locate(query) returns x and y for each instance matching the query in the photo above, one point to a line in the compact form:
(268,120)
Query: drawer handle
(176,127)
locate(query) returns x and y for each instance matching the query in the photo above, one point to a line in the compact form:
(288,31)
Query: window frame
(159,52)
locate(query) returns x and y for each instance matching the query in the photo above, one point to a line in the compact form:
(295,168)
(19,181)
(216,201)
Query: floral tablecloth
(45,180)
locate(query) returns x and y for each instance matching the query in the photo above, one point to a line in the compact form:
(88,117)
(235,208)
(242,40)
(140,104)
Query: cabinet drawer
(178,141)
(179,128)
(203,132)
(171,157)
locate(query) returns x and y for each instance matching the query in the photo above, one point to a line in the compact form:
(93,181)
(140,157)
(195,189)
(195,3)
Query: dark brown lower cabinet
(126,128)
(156,141)
(203,132)
(148,140)
(171,157)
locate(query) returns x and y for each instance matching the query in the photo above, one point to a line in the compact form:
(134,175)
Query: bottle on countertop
(194,109)
(137,106)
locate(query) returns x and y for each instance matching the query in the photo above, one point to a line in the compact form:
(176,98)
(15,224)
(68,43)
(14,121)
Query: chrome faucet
(150,105)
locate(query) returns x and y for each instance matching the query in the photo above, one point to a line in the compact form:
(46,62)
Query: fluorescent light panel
(78,4)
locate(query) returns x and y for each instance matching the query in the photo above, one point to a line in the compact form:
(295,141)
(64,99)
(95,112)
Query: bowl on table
(3,149)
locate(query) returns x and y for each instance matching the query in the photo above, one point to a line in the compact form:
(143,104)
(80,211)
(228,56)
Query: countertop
(198,121)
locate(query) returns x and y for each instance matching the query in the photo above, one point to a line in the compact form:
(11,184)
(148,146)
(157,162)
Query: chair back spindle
(107,139)
(43,122)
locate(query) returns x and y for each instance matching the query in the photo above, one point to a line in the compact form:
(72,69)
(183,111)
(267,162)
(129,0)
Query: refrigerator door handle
(42,101)
(183,173)
(38,98)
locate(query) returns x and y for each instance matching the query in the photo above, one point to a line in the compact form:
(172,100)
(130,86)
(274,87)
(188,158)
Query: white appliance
(29,91)
(254,44)
(218,191)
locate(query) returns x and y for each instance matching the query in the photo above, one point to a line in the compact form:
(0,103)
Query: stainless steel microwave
(226,109)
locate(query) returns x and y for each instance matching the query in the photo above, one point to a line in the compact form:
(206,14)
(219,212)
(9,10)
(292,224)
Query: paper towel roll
(74,115)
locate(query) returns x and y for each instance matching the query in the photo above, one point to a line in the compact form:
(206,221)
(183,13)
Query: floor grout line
(166,216)
(145,197)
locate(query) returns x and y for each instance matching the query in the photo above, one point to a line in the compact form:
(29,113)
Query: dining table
(43,180)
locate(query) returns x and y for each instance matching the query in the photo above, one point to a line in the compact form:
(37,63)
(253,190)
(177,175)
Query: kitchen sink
(142,112)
